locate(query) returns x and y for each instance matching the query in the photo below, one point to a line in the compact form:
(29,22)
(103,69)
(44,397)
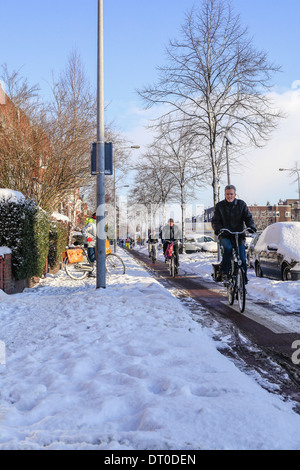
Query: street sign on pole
(108,168)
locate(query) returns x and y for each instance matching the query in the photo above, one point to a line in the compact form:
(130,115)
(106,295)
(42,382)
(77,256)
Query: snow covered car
(207,244)
(277,252)
(202,243)
(191,246)
(251,254)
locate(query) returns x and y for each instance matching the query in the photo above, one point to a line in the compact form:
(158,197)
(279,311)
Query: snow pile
(8,195)
(58,216)
(125,368)
(4,251)
(285,236)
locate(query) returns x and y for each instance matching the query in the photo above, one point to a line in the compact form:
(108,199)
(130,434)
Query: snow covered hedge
(24,228)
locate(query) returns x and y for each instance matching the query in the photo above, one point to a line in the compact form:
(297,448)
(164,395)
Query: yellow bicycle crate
(75,255)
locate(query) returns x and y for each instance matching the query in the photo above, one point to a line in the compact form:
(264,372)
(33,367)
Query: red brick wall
(7,284)
(6,274)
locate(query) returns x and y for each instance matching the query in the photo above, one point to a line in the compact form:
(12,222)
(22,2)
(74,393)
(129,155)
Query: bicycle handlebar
(234,233)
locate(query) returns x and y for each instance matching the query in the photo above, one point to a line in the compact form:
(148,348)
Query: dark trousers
(175,250)
(91,254)
(227,255)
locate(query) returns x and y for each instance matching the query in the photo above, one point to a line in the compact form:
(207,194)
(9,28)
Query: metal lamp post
(115,213)
(228,142)
(101,236)
(292,171)
(115,197)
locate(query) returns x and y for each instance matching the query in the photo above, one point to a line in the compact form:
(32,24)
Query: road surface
(256,342)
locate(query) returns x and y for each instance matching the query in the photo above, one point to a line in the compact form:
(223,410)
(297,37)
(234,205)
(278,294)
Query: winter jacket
(152,239)
(232,216)
(171,233)
(90,232)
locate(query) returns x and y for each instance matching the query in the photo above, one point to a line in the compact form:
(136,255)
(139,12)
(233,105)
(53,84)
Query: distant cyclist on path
(171,233)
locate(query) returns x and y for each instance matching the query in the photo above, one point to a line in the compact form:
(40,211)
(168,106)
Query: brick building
(284,211)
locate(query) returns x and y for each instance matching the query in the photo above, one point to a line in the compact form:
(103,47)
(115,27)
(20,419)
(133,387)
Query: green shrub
(24,228)
(58,238)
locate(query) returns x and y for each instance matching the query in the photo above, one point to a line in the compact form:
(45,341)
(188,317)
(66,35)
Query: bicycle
(153,252)
(236,283)
(78,265)
(170,258)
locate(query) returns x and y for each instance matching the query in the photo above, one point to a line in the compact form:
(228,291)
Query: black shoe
(225,278)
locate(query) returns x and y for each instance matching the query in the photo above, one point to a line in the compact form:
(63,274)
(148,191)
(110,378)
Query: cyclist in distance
(171,233)
(232,214)
(152,240)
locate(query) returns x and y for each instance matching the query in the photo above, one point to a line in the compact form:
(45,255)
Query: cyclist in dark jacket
(232,213)
(171,233)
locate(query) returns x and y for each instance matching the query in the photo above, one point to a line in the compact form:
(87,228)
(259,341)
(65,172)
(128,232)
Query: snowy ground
(126,368)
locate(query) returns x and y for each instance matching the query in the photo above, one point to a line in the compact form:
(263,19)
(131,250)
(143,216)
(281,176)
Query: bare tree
(171,169)
(71,127)
(219,81)
(45,148)
(178,148)
(23,95)
(23,144)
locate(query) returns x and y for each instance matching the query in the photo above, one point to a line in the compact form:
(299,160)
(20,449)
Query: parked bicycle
(170,258)
(78,266)
(236,282)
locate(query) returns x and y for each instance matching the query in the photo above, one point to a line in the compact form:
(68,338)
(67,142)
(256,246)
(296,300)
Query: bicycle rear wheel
(76,270)
(241,289)
(114,264)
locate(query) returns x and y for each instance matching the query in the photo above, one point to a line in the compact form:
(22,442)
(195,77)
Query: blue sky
(39,36)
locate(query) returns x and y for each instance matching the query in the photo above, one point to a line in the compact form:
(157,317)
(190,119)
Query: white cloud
(258,178)
(261,180)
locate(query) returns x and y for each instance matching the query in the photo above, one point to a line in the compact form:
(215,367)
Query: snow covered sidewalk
(125,368)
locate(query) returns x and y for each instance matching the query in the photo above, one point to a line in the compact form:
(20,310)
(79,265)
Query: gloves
(252,230)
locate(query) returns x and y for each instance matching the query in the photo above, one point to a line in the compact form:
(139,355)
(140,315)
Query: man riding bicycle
(171,233)
(152,241)
(231,214)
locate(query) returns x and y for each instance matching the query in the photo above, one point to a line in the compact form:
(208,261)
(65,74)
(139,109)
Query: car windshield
(205,239)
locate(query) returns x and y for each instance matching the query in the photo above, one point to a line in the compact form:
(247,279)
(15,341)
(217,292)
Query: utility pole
(228,142)
(101,235)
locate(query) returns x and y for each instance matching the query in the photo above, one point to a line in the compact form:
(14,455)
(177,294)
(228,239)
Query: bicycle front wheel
(114,264)
(76,270)
(153,254)
(241,290)
(172,267)
(230,293)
